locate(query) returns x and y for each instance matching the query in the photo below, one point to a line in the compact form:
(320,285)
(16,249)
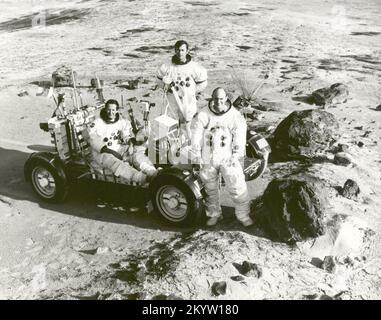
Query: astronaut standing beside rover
(109,138)
(218,145)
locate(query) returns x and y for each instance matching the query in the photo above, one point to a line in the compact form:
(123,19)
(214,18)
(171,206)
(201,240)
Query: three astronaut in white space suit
(217,134)
(218,145)
(109,139)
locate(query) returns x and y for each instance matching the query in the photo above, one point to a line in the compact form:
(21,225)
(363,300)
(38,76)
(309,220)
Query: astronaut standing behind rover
(182,79)
(218,145)
(109,139)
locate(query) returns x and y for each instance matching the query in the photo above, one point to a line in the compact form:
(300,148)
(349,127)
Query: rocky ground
(89,248)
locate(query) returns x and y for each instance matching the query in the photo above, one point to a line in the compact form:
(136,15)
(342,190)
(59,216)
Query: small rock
(23,93)
(329,264)
(62,77)
(102,250)
(133,99)
(266,106)
(360,144)
(336,93)
(366,134)
(342,147)
(359,128)
(237,278)
(378,108)
(253,270)
(342,159)
(133,84)
(219,288)
(289,89)
(249,269)
(349,261)
(255,115)
(89,251)
(325,297)
(350,189)
(147,95)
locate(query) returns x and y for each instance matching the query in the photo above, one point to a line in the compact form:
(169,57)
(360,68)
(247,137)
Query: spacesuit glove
(110,151)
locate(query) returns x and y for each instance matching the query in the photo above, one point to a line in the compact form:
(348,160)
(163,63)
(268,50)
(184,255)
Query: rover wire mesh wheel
(47,183)
(174,201)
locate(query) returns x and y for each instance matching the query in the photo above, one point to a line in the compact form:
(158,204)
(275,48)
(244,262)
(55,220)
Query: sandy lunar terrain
(88,248)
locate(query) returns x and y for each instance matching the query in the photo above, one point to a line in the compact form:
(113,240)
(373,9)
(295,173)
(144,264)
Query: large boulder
(62,77)
(293,209)
(304,135)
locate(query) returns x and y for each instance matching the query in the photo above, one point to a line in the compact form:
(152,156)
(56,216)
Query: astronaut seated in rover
(110,139)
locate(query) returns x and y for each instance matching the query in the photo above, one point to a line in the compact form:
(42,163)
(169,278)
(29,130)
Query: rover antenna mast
(74,91)
(99,89)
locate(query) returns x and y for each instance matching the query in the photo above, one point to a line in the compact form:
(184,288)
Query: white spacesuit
(218,144)
(111,150)
(184,81)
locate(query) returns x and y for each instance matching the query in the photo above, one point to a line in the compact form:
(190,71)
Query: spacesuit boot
(242,209)
(237,188)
